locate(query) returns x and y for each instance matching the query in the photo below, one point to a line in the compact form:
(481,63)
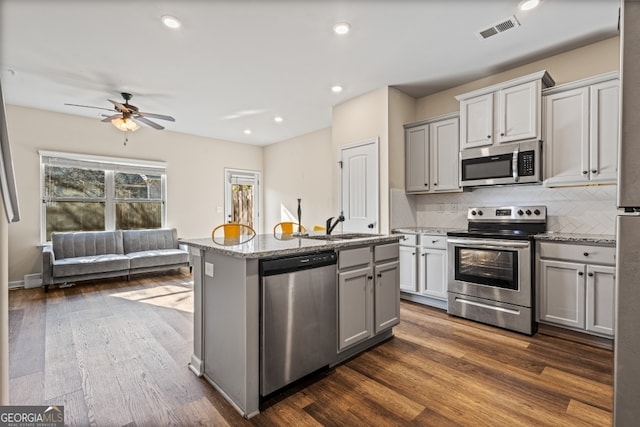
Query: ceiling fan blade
(147,122)
(90,106)
(120,106)
(157,116)
(109,118)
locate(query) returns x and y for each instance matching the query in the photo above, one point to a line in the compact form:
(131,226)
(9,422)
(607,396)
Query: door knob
(370,225)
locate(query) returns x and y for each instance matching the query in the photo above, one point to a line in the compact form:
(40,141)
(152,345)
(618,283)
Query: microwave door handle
(514,165)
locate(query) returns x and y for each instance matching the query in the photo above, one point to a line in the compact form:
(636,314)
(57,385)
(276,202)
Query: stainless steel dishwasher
(298,318)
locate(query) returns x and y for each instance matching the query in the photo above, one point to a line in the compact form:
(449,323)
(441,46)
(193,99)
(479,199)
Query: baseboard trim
(18,284)
(575,336)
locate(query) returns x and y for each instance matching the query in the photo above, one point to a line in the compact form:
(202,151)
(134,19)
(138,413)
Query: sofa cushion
(157,257)
(86,243)
(146,240)
(67,267)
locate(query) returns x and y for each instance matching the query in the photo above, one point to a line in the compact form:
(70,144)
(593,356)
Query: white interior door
(359,187)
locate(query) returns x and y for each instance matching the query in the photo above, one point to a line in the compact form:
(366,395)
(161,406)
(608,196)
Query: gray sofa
(87,255)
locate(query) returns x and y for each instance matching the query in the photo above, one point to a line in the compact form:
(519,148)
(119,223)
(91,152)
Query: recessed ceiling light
(247,131)
(528,4)
(336,89)
(171,21)
(277,119)
(342,28)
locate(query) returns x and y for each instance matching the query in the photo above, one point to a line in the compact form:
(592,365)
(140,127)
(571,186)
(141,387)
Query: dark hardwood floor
(115,353)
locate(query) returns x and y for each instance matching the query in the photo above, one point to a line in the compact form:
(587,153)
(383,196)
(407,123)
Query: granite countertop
(424,230)
(599,239)
(269,245)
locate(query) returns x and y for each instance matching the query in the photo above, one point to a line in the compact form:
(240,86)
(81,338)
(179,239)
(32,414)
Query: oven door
(493,269)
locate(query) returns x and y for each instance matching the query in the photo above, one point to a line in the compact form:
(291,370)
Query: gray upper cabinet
(581,132)
(431,155)
(506,112)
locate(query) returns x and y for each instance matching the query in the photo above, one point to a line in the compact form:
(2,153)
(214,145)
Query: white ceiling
(234,65)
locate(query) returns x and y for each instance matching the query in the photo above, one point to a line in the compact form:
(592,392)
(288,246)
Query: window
(87,193)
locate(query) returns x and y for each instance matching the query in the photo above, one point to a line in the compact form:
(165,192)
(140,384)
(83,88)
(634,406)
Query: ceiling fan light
(125,124)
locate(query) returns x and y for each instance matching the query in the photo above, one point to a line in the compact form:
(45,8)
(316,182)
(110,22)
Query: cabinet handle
(585,172)
(413,253)
(369,277)
(488,136)
(580,273)
(435,183)
(434,241)
(586,254)
(379,274)
(426,184)
(590,274)
(594,171)
(501,133)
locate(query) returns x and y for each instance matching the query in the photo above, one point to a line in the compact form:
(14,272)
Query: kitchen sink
(344,236)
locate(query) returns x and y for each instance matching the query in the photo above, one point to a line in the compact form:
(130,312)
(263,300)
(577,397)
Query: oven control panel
(508,214)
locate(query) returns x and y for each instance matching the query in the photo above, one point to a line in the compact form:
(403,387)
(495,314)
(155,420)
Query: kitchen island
(227,304)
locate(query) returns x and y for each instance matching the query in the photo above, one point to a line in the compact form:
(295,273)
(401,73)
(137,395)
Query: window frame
(110,166)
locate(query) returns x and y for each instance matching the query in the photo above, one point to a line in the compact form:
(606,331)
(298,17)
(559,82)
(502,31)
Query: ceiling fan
(128,117)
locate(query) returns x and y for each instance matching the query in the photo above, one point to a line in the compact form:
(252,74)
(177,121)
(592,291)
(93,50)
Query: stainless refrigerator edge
(626,411)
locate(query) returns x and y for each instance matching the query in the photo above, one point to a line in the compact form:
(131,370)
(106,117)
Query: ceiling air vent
(500,27)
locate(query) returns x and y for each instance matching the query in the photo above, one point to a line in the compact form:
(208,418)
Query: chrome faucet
(330,226)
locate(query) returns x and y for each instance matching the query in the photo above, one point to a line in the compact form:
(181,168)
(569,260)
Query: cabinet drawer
(433,241)
(386,252)
(409,240)
(354,258)
(578,253)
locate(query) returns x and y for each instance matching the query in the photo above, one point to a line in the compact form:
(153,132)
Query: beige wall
(195,172)
(402,110)
(358,119)
(591,60)
(299,168)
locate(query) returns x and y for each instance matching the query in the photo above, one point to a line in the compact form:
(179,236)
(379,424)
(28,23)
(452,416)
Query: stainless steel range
(491,270)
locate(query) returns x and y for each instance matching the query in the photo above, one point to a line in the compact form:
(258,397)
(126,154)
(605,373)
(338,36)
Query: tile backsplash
(584,210)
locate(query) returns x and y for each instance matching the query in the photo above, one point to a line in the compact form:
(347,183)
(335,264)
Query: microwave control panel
(526,163)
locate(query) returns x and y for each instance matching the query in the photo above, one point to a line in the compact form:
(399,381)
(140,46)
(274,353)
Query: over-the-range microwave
(514,163)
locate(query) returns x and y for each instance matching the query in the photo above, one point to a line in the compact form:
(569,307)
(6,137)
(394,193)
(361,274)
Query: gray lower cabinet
(368,292)
(424,269)
(576,287)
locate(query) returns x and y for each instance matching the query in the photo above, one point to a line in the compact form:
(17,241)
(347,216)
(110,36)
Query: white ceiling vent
(500,27)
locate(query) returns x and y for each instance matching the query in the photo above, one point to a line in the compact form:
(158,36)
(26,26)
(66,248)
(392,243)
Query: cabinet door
(417,159)
(355,306)
(433,273)
(562,293)
(600,304)
(476,118)
(408,268)
(387,295)
(444,143)
(567,137)
(519,112)
(604,135)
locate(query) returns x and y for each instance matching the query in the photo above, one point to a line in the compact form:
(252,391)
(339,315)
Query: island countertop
(269,245)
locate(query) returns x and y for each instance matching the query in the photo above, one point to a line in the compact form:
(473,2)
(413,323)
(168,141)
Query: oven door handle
(495,244)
